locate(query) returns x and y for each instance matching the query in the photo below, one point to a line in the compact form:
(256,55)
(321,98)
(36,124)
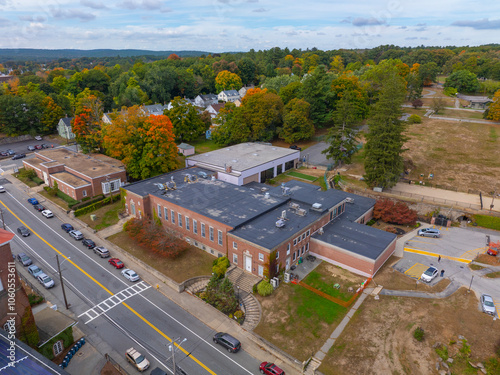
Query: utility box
(93,217)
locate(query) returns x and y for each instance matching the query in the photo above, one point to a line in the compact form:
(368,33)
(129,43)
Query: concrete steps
(198,286)
(253,311)
(312,366)
(242,279)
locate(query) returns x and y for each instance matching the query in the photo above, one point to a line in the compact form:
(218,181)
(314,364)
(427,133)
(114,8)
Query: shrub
(415,119)
(37,180)
(419,334)
(238,314)
(34,299)
(450,91)
(264,288)
(371,222)
(220,266)
(465,349)
(26,173)
(417,103)
(220,294)
(442,351)
(87,201)
(394,213)
(254,288)
(93,206)
(70,201)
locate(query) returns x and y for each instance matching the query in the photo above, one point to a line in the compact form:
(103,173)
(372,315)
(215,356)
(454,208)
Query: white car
(2,189)
(488,305)
(429,275)
(45,280)
(130,275)
(38,138)
(47,213)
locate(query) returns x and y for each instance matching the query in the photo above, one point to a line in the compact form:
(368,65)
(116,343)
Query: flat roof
(70,179)
(357,238)
(92,165)
(226,203)
(244,156)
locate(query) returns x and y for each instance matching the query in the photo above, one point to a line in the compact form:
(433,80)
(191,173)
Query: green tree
(290,91)
(385,140)
(463,81)
(13,117)
(263,114)
(159,82)
(277,83)
(187,123)
(493,111)
(247,69)
(296,122)
(437,104)
(316,91)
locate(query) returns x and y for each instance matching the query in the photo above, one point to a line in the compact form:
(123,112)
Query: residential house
(214,109)
(229,96)
(205,100)
(244,89)
(64,128)
(185,149)
(78,175)
(154,109)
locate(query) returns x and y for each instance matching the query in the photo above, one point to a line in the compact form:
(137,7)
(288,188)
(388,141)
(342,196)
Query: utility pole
(62,284)
(171,348)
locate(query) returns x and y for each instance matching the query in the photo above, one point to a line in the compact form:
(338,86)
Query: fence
(34,288)
(426,198)
(115,364)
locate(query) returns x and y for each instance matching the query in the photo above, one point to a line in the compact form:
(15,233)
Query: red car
(270,369)
(117,263)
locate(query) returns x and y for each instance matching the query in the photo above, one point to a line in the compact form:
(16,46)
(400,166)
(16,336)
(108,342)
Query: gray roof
(223,202)
(231,93)
(208,97)
(243,156)
(185,146)
(357,238)
(67,121)
(155,109)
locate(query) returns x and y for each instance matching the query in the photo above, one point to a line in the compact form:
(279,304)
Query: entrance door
(248,263)
(46,178)
(287,264)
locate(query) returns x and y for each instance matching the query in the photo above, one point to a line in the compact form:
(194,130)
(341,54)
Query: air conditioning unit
(301,212)
(294,206)
(349,200)
(280,223)
(274,283)
(287,277)
(277,281)
(317,206)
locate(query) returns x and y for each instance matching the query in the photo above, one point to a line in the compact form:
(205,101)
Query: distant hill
(46,55)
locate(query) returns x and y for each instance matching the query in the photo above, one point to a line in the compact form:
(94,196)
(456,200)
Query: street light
(62,284)
(171,348)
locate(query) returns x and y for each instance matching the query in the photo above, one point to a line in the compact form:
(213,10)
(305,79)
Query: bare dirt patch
(488,259)
(379,339)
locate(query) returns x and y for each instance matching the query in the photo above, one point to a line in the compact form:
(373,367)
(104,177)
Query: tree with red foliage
(394,213)
(173,56)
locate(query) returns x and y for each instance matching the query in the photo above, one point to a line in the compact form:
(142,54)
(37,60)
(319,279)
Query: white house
(229,95)
(244,89)
(64,128)
(206,100)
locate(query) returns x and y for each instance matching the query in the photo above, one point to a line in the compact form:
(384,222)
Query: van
(429,232)
(226,340)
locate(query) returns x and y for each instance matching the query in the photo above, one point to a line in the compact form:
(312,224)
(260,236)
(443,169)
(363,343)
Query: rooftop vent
(283,214)
(301,212)
(317,206)
(213,178)
(267,195)
(159,186)
(321,230)
(202,174)
(294,206)
(255,154)
(349,200)
(264,189)
(280,223)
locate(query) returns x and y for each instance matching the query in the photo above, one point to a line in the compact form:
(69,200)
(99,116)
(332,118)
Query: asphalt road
(146,320)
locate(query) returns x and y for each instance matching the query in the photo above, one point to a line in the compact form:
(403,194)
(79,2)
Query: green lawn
(106,216)
(203,145)
(490,222)
(59,201)
(325,284)
(302,176)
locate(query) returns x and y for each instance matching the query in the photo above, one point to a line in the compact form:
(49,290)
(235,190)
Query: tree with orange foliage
(173,56)
(87,123)
(493,111)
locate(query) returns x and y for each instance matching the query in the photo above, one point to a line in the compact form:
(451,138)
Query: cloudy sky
(239,25)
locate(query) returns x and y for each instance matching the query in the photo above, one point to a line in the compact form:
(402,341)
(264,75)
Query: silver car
(76,234)
(488,305)
(429,275)
(429,232)
(45,280)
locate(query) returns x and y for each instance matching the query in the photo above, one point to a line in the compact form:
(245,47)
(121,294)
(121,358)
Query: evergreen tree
(385,140)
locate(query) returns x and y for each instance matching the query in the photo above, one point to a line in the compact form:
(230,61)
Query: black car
(39,207)
(18,156)
(23,231)
(295,147)
(88,243)
(67,227)
(227,341)
(45,145)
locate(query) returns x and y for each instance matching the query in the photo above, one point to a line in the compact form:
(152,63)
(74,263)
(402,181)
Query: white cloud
(93,4)
(484,24)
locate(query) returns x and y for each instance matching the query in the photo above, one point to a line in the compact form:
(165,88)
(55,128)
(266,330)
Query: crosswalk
(113,301)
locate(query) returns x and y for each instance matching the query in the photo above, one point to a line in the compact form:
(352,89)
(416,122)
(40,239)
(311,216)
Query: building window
(235,258)
(308,232)
(108,186)
(288,250)
(172,216)
(212,251)
(165,212)
(57,348)
(179,216)
(235,245)
(115,185)
(307,246)
(84,193)
(132,208)
(187,223)
(219,237)
(299,239)
(158,209)
(195,227)
(303,236)
(211,233)
(294,255)
(261,271)
(294,241)
(261,257)
(203,230)
(277,255)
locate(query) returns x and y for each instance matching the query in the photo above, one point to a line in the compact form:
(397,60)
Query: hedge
(87,202)
(37,180)
(70,201)
(96,205)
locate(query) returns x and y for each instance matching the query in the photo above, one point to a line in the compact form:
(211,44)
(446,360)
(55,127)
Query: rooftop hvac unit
(202,174)
(280,223)
(294,206)
(349,200)
(267,195)
(264,189)
(321,231)
(213,177)
(301,212)
(317,206)
(159,186)
(283,214)
(286,191)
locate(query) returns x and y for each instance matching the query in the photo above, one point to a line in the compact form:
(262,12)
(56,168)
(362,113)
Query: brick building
(78,175)
(249,223)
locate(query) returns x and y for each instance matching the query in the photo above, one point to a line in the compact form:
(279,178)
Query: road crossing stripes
(114,300)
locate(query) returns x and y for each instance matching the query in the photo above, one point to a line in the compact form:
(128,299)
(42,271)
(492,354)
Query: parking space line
(471,254)
(416,270)
(421,252)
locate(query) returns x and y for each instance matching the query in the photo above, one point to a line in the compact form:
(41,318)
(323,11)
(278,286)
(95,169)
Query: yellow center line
(410,250)
(111,293)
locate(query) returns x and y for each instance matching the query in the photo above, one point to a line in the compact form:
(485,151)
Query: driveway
(313,157)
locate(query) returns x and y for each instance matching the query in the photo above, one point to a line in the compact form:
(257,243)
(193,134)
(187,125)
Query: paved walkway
(450,289)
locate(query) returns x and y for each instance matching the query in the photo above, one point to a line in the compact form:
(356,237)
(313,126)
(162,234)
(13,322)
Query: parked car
(117,263)
(38,147)
(47,213)
(137,359)
(38,138)
(33,201)
(24,259)
(429,275)
(101,251)
(23,231)
(34,270)
(11,152)
(227,341)
(295,147)
(488,305)
(31,148)
(45,280)
(130,275)
(18,156)
(429,232)
(88,243)
(270,369)
(2,189)
(39,207)
(45,145)
(67,227)
(76,234)
(4,153)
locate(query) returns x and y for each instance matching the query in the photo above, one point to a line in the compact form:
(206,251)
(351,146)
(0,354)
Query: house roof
(66,121)
(217,107)
(231,92)
(185,146)
(91,165)
(50,322)
(70,179)
(5,236)
(155,109)
(206,97)
(475,99)
(243,156)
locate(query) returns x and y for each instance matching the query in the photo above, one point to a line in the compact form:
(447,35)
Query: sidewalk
(253,344)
